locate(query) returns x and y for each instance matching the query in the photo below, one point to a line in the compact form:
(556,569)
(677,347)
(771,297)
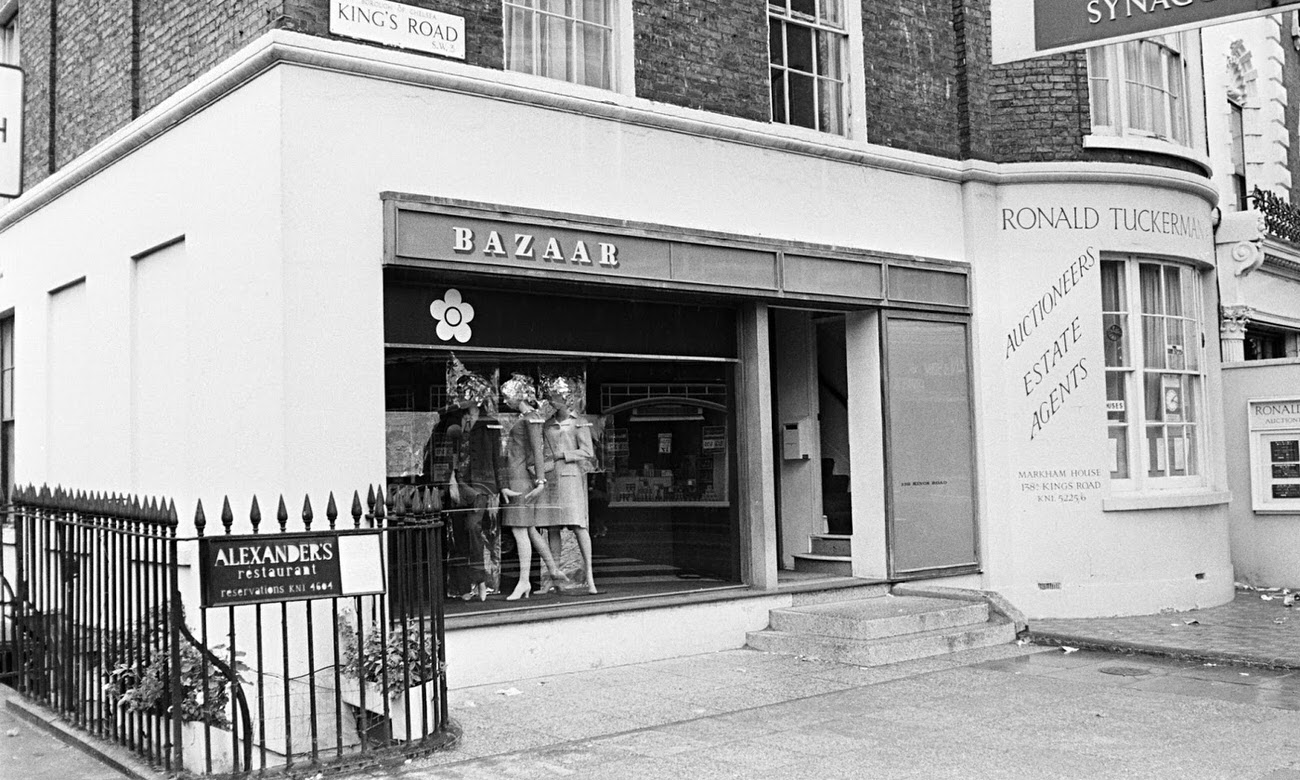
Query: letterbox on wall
(1275,454)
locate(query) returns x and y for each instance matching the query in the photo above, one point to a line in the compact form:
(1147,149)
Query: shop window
(1154,373)
(6,405)
(569,40)
(1139,89)
(626,464)
(1265,343)
(808,43)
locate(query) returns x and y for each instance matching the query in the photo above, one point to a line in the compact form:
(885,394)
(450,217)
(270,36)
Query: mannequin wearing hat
(567,452)
(524,481)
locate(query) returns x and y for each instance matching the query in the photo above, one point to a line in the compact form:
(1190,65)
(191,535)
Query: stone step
(823,564)
(803,598)
(878,652)
(831,544)
(878,618)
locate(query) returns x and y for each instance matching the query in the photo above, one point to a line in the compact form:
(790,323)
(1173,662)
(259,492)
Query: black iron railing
(1281,219)
(100,586)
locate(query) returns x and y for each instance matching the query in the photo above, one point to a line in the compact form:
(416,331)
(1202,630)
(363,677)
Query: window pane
(1157,452)
(830,57)
(1175,349)
(519,33)
(805,7)
(1119,453)
(832,13)
(1115,328)
(7,395)
(1112,286)
(1116,397)
(1149,281)
(830,106)
(554,47)
(778,96)
(802,109)
(799,47)
(1192,345)
(595,57)
(1099,85)
(775,42)
(596,11)
(1153,342)
(1173,290)
(1153,403)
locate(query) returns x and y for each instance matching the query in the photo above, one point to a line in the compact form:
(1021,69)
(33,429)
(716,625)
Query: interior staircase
(881,628)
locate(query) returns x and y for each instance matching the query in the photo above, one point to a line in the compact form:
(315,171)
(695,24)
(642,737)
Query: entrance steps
(827,554)
(883,629)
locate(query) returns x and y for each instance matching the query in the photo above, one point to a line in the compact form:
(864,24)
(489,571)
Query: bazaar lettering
(526,246)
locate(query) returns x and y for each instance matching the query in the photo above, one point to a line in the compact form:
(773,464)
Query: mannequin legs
(584,546)
(544,551)
(525,548)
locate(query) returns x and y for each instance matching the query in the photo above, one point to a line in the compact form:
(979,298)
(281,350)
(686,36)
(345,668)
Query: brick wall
(181,39)
(706,54)
(34,31)
(1039,109)
(910,53)
(974,58)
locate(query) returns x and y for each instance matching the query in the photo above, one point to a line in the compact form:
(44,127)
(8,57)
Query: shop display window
(619,471)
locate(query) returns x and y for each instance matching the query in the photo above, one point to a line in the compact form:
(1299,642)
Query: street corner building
(732,301)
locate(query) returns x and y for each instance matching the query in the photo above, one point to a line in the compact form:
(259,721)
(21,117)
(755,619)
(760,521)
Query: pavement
(1212,693)
(1259,627)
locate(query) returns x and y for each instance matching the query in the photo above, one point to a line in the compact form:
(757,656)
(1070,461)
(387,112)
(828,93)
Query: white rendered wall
(212,378)
(1265,547)
(1084,555)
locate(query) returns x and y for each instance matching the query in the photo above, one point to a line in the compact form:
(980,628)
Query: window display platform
(612,588)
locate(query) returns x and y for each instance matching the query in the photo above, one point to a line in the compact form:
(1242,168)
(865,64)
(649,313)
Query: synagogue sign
(1028,28)
(289,567)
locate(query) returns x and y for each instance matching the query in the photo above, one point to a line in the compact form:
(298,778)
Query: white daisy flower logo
(453,316)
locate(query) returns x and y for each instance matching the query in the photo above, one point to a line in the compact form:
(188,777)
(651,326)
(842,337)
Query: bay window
(1139,89)
(1154,373)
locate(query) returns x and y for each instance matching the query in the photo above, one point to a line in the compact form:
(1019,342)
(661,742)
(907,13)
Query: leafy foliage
(408,655)
(140,676)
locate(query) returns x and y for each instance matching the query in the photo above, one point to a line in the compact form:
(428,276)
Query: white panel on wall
(69,392)
(159,347)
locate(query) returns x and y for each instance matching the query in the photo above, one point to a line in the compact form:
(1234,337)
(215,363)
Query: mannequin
(567,453)
(524,481)
(476,476)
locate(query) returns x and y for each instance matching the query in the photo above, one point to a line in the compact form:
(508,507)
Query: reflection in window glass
(535,461)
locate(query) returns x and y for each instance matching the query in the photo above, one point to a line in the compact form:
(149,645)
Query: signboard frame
(304,585)
(12,187)
(1277,422)
(1023,29)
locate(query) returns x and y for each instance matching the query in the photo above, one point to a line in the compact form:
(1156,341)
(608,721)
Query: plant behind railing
(1281,219)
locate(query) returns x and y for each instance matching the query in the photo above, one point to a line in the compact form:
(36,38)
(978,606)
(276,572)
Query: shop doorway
(812,430)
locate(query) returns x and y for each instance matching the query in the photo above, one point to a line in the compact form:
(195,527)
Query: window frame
(618,59)
(1135,419)
(1109,78)
(818,23)
(10,42)
(7,346)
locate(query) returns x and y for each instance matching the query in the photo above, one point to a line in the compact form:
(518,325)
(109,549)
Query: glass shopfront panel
(563,474)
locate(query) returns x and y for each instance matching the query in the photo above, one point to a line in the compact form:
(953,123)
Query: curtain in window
(570,40)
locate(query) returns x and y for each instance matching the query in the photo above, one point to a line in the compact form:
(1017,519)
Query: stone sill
(1165,500)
